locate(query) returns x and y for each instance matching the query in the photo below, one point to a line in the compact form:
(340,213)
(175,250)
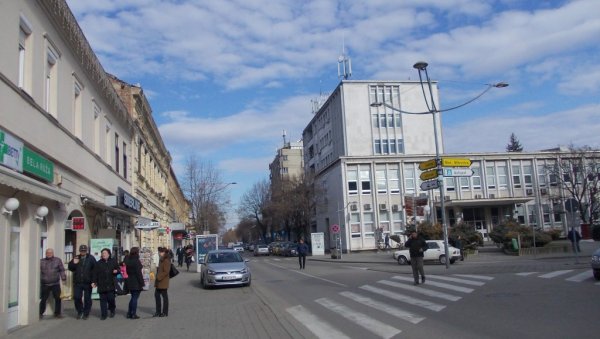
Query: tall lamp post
(345,229)
(421,66)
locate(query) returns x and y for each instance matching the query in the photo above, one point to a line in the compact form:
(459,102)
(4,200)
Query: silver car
(224,267)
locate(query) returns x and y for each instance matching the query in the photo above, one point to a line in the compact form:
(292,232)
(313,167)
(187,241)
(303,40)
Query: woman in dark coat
(162,283)
(103,276)
(135,280)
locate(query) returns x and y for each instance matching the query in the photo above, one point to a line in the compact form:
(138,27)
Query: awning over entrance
(99,205)
(485,202)
(22,182)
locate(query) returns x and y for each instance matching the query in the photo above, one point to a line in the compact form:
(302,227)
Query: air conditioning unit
(492,196)
(529,191)
(544,191)
(394,208)
(382,207)
(477,196)
(353,207)
(367,207)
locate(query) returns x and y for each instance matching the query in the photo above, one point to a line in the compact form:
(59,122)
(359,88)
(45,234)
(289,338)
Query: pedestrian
(180,254)
(459,244)
(387,241)
(135,280)
(161,284)
(302,250)
(575,237)
(171,255)
(416,247)
(189,252)
(52,271)
(103,278)
(82,267)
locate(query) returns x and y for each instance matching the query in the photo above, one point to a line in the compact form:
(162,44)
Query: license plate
(229,277)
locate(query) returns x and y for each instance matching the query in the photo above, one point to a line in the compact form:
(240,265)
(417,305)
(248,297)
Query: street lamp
(421,66)
(339,239)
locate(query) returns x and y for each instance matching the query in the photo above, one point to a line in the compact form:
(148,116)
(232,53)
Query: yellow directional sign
(429,164)
(456,162)
(429,175)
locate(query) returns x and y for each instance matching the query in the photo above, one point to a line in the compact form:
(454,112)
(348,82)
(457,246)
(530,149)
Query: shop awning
(22,182)
(99,205)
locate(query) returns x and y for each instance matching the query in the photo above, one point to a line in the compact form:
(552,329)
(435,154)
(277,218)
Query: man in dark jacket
(302,250)
(103,278)
(82,267)
(416,247)
(52,272)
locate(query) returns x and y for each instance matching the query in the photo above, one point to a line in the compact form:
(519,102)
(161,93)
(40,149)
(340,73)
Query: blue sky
(225,78)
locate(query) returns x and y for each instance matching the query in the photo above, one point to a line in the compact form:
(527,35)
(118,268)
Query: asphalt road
(491,297)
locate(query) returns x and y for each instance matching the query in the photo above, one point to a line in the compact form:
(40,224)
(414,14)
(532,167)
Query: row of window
(388,146)
(389,222)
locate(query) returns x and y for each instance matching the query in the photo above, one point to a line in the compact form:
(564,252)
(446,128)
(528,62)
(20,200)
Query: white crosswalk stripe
(373,325)
(439,284)
(555,274)
(458,280)
(421,290)
(404,298)
(581,276)
(319,328)
(474,276)
(525,274)
(395,311)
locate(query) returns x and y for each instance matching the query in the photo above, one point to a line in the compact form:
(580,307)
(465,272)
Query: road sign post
(428,175)
(429,164)
(456,162)
(430,185)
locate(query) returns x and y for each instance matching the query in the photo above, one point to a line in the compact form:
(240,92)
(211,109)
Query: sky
(225,78)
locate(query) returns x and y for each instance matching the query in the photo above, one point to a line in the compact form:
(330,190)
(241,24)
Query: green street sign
(37,165)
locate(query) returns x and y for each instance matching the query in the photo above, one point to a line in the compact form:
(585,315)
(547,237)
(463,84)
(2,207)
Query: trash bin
(335,253)
(515,244)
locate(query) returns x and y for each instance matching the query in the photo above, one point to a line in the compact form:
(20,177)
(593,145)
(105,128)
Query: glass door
(13,275)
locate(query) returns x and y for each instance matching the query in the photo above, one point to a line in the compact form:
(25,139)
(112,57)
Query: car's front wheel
(452,261)
(402,260)
(443,259)
(204,283)
(597,274)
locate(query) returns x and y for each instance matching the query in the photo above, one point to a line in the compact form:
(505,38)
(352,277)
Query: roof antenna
(344,64)
(284,142)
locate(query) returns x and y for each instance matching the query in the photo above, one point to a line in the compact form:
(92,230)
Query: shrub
(554,234)
(504,233)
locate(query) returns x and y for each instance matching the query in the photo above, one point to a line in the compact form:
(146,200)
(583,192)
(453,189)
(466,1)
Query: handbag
(173,271)
(120,285)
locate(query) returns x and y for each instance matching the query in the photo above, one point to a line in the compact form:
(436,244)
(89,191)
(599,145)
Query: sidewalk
(486,253)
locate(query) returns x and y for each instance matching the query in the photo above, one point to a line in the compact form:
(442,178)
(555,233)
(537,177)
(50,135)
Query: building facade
(366,160)
(288,162)
(66,138)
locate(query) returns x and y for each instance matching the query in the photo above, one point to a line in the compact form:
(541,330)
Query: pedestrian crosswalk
(577,276)
(371,307)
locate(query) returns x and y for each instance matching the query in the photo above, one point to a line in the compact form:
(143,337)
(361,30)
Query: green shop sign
(37,165)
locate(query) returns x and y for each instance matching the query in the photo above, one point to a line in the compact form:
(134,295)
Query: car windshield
(224,257)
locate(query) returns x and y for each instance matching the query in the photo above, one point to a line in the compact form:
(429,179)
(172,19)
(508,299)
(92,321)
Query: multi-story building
(65,142)
(366,158)
(288,162)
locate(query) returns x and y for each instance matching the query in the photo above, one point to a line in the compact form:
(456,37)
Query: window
(375,120)
(381,181)
(409,179)
(546,213)
(398,122)
(392,146)
(502,177)
(108,141)
(368,225)
(139,156)
(384,221)
(285,157)
(51,82)
(516,174)
(77,109)
(527,175)
(490,176)
(542,181)
(352,181)
(97,112)
(117,155)
(397,222)
(382,121)
(384,146)
(394,180)
(390,120)
(25,31)
(355,225)
(400,146)
(464,184)
(365,181)
(124,160)
(377,146)
(284,170)
(476,178)
(450,185)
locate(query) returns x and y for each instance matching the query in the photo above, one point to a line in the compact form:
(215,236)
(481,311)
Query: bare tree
(577,172)
(205,190)
(256,205)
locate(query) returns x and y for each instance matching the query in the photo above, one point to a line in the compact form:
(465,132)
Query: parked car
(238,248)
(261,250)
(288,249)
(595,262)
(435,251)
(272,246)
(224,267)
(277,248)
(251,247)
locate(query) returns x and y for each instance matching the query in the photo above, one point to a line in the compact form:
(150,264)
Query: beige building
(288,162)
(65,140)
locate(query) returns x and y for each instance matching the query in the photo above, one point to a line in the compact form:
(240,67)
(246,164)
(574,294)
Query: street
(485,297)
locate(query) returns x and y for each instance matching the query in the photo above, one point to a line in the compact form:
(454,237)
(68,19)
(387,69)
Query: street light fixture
(421,66)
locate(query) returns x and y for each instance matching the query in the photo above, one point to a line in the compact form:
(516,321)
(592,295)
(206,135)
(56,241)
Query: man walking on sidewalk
(302,250)
(416,246)
(82,267)
(52,271)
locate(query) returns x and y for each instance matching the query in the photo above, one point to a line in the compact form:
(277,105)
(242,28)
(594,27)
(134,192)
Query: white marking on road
(581,276)
(481,277)
(458,280)
(554,274)
(396,312)
(439,284)
(276,259)
(373,325)
(404,298)
(319,328)
(421,290)
(309,275)
(524,274)
(357,268)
